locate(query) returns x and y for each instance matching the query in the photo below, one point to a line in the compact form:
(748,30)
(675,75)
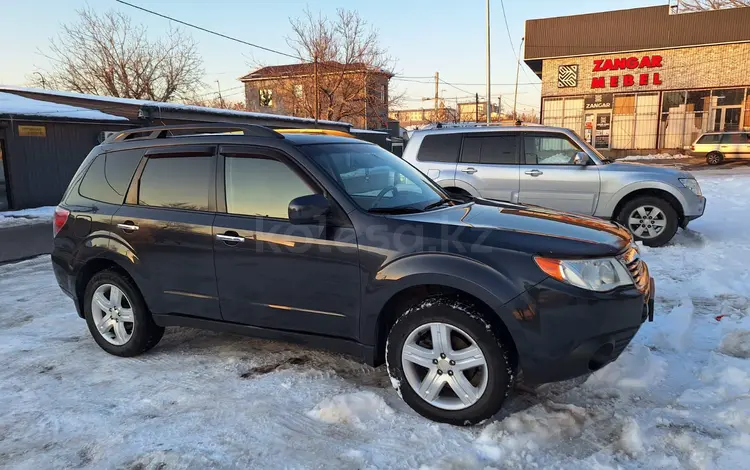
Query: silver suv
(716,146)
(553,167)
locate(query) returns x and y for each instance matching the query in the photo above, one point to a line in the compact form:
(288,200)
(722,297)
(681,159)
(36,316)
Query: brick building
(645,79)
(352,93)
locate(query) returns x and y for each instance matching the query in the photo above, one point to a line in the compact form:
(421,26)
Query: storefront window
(698,100)
(672,99)
(728,97)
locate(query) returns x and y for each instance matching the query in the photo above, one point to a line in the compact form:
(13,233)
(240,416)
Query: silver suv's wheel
(447,363)
(445,366)
(113,314)
(650,219)
(117,316)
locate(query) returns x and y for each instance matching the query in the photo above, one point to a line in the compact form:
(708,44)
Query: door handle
(469,170)
(230,237)
(534,172)
(128,226)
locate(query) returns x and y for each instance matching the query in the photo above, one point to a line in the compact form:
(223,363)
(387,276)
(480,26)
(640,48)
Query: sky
(422,36)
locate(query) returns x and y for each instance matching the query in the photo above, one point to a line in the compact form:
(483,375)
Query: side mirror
(581,159)
(310,209)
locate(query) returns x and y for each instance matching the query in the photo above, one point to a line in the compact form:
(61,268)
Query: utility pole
(487,107)
(317,89)
(458,112)
(518,68)
(476,107)
(499,108)
(365,85)
(221,100)
(437,95)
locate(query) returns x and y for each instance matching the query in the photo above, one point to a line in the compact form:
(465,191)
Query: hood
(531,229)
(642,168)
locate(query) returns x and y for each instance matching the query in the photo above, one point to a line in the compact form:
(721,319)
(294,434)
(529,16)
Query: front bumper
(695,207)
(574,332)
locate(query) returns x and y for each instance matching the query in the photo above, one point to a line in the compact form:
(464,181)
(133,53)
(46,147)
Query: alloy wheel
(444,366)
(647,222)
(112,313)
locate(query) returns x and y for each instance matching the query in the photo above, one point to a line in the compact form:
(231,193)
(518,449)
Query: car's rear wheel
(714,158)
(651,220)
(117,316)
(447,364)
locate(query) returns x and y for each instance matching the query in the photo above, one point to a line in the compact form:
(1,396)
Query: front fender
(446,270)
(608,209)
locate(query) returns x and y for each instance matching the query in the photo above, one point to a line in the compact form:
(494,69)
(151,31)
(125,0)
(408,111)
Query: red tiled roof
(307,68)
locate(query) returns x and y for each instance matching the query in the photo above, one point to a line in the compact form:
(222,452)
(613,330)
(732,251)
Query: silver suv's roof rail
(183,130)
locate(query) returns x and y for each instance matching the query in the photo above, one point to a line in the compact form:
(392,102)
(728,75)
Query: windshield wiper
(394,210)
(443,201)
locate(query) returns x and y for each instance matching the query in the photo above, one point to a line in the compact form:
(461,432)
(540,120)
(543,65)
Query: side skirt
(361,352)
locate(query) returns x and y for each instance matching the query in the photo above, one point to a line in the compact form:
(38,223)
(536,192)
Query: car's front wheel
(117,316)
(651,220)
(447,364)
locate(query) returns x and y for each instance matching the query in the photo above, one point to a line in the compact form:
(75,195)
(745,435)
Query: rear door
(734,145)
(489,163)
(166,223)
(549,178)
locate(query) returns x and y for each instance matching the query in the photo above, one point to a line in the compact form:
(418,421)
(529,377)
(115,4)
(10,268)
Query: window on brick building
(265,98)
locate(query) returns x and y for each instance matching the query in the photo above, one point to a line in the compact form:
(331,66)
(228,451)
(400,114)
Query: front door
(727,118)
(271,273)
(4,203)
(167,220)
(489,163)
(549,178)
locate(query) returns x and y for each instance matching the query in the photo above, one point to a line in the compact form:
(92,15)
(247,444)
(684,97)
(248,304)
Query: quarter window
(549,150)
(440,148)
(262,187)
(489,150)
(734,139)
(176,183)
(108,177)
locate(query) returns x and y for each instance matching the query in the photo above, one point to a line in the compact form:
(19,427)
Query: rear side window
(440,148)
(108,177)
(710,139)
(489,150)
(176,183)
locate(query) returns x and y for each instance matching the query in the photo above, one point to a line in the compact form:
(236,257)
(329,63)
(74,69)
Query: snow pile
(658,156)
(736,343)
(631,440)
(27,216)
(675,329)
(351,408)
(637,368)
(16,105)
(514,437)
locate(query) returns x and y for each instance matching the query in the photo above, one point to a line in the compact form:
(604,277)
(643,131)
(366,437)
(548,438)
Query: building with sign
(643,80)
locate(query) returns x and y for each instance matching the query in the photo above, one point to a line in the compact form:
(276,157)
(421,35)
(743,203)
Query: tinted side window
(733,139)
(261,187)
(176,182)
(119,169)
(549,150)
(440,148)
(710,139)
(490,150)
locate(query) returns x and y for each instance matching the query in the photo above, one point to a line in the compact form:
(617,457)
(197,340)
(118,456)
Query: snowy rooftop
(15,105)
(170,106)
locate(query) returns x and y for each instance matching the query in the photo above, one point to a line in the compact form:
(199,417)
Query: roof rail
(165,132)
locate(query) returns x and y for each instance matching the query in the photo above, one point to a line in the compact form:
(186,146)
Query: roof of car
(462,130)
(306,139)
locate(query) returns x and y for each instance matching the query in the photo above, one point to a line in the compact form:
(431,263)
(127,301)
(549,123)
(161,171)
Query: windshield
(376,179)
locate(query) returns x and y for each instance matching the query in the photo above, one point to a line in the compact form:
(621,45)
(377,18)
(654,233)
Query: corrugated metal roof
(637,29)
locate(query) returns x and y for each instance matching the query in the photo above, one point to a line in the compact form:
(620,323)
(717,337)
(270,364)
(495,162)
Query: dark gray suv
(334,242)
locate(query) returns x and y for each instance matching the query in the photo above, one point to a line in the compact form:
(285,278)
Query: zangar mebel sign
(641,72)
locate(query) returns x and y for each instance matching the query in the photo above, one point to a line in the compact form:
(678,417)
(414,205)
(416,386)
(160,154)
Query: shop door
(727,118)
(602,130)
(4,203)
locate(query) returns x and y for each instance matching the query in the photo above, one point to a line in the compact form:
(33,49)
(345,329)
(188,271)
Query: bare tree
(352,69)
(703,5)
(108,55)
(216,102)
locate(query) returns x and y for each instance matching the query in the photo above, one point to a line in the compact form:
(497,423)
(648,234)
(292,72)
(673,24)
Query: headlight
(600,274)
(692,185)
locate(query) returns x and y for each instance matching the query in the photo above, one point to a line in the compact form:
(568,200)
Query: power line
(510,39)
(210,31)
(402,79)
(454,86)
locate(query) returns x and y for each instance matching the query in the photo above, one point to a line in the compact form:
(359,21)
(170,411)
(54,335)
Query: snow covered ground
(658,156)
(679,397)
(27,216)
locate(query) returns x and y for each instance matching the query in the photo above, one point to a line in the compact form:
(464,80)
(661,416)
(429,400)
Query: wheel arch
(90,269)
(660,193)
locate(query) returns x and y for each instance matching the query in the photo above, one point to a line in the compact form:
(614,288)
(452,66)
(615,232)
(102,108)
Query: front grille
(637,268)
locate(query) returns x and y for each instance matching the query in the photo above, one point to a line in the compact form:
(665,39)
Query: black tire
(714,158)
(672,219)
(145,333)
(464,316)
